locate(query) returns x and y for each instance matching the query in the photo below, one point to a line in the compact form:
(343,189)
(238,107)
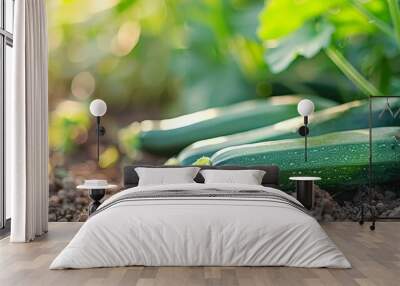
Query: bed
(201,224)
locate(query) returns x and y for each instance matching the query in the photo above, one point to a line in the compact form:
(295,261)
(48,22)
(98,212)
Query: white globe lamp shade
(98,107)
(305,107)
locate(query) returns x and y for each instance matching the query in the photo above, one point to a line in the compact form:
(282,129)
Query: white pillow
(248,177)
(163,176)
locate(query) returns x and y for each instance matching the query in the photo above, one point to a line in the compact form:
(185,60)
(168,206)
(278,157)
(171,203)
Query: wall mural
(218,83)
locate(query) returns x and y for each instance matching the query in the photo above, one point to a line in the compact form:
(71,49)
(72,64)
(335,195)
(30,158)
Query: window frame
(6,39)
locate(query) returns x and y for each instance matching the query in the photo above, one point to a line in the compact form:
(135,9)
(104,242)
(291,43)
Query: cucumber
(349,116)
(340,158)
(169,136)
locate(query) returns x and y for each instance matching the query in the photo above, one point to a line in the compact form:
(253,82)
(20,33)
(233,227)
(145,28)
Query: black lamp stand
(100,131)
(304,131)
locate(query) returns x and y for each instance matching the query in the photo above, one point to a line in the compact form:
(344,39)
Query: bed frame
(270,179)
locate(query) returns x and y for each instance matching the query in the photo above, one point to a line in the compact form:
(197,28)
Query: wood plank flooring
(375,257)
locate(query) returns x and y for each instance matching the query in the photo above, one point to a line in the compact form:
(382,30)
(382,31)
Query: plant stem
(381,25)
(352,74)
(395,14)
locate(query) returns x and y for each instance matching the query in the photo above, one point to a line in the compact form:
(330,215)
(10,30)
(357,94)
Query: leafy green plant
(306,41)
(151,59)
(335,27)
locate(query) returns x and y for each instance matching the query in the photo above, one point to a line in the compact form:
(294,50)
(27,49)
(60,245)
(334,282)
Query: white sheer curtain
(26,127)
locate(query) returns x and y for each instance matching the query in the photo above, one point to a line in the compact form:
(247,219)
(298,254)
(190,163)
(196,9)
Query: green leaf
(372,18)
(282,17)
(307,42)
(350,17)
(351,73)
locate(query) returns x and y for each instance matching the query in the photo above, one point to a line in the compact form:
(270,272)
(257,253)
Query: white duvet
(200,231)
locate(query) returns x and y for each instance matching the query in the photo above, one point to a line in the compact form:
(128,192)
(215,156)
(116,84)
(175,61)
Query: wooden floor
(375,257)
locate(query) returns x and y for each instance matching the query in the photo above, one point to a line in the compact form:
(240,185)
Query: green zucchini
(340,158)
(349,116)
(169,136)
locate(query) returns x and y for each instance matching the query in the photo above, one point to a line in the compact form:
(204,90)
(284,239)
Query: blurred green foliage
(68,127)
(359,37)
(150,59)
(182,55)
(161,58)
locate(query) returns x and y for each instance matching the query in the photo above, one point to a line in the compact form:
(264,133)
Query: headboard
(270,179)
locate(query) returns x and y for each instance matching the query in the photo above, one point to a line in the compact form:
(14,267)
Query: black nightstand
(305,190)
